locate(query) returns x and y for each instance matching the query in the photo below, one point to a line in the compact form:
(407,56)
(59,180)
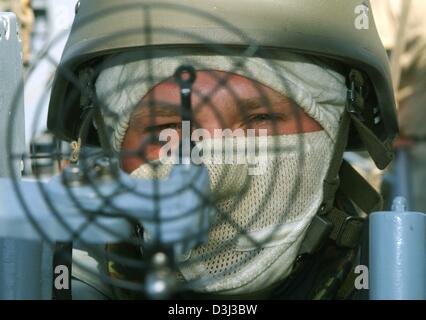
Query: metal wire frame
(140,264)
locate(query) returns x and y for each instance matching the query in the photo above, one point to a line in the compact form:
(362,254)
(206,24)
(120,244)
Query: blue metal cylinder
(397,254)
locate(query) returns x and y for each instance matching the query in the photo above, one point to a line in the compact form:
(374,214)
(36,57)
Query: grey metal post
(402,181)
(24,266)
(398,254)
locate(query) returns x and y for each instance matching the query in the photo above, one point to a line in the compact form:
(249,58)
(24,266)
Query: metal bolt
(72,176)
(159,260)
(160,284)
(105,168)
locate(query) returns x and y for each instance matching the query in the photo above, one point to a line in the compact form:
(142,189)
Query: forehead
(217,87)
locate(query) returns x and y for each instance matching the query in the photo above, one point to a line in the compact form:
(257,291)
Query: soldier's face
(240,103)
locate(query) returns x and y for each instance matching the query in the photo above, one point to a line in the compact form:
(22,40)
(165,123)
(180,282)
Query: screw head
(105,168)
(159,260)
(72,176)
(160,283)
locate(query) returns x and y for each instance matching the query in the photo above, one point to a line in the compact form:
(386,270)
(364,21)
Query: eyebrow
(252,103)
(147,110)
(256,103)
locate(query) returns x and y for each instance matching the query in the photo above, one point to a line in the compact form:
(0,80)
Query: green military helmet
(340,31)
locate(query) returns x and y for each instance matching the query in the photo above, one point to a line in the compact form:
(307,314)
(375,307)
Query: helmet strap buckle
(91,114)
(355,102)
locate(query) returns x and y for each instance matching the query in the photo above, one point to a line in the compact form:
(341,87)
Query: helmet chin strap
(331,222)
(91,116)
(333,225)
(380,152)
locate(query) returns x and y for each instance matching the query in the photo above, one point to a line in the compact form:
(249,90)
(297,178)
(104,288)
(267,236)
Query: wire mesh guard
(147,230)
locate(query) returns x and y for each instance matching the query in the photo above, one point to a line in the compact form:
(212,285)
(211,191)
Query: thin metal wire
(205,101)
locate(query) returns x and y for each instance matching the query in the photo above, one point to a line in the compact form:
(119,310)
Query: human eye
(262,118)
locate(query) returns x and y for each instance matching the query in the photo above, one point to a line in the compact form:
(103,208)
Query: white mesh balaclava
(274,208)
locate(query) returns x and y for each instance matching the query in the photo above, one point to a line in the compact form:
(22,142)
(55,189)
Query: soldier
(318,86)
